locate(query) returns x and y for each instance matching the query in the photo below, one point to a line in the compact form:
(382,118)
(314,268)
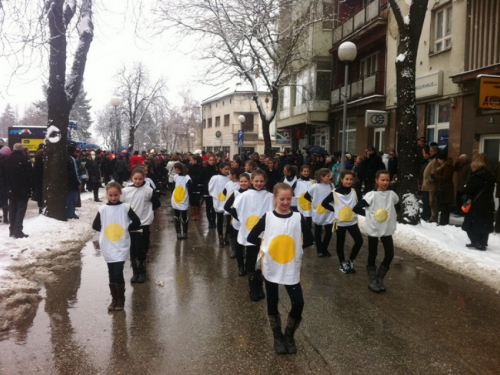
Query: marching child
(244,183)
(322,218)
(229,188)
(248,208)
(114,220)
(344,198)
(380,207)
(180,199)
(216,191)
(290,178)
(303,185)
(141,197)
(286,234)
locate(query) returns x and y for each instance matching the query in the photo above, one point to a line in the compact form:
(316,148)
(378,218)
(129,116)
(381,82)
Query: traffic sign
(241,137)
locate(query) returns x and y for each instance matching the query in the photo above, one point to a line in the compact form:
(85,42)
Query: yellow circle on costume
(252,220)
(304,203)
(381,215)
(179,194)
(221,197)
(114,232)
(346,214)
(282,249)
(320,209)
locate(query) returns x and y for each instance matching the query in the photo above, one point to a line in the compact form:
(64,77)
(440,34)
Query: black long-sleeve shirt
(134,225)
(307,236)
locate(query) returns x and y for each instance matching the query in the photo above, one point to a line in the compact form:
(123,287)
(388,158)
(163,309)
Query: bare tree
(410,29)
(246,38)
(105,127)
(138,94)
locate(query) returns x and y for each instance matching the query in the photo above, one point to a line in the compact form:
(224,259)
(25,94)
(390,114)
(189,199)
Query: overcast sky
(116,43)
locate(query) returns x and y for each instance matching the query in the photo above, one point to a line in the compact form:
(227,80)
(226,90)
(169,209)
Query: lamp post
(347,53)
(241,119)
(116,101)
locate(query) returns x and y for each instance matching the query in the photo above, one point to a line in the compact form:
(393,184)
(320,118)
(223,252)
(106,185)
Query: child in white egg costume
(286,234)
(380,207)
(180,199)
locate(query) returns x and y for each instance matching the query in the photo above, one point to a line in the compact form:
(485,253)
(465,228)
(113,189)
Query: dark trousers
(322,244)
(115,273)
(426,206)
(194,199)
(239,249)
(356,236)
(296,299)
(444,217)
(458,202)
(220,224)
(209,206)
(388,248)
(95,189)
(478,238)
(139,243)
(252,253)
(71,201)
(309,220)
(180,214)
(17,210)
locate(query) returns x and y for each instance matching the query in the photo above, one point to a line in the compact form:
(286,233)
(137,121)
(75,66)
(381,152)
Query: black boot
(373,279)
(254,295)
(177,223)
(135,269)
(142,272)
(185,225)
(279,341)
(114,293)
(382,271)
(5,210)
(120,297)
(221,240)
(259,281)
(291,326)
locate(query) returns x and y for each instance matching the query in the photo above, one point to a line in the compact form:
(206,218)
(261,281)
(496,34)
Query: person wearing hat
(370,166)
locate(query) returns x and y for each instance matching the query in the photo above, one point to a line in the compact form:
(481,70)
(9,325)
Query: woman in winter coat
(4,194)
(195,171)
(478,222)
(445,188)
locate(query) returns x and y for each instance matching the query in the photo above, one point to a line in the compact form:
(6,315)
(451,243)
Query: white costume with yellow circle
(292,182)
(250,207)
(303,205)
(281,250)
(114,238)
(139,199)
(320,215)
(216,191)
(180,196)
(343,205)
(381,216)
(229,188)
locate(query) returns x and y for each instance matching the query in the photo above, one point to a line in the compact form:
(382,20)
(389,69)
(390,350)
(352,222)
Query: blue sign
(73,125)
(241,136)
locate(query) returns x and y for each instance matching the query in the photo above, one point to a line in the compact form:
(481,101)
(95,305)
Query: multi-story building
(305,88)
(221,125)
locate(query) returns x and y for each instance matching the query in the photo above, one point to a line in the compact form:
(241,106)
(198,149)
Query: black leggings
(356,236)
(220,224)
(180,214)
(388,248)
(115,273)
(209,206)
(252,253)
(322,244)
(309,221)
(238,249)
(296,299)
(139,243)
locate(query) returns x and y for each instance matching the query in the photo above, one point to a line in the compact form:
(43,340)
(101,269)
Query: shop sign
(488,92)
(283,137)
(429,85)
(376,119)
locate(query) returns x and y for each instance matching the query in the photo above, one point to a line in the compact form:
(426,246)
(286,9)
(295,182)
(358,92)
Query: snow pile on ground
(27,263)
(445,245)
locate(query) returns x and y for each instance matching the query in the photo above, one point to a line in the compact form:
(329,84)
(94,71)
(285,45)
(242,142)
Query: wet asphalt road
(193,316)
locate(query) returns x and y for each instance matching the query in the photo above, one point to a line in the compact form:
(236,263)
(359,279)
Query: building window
(442,29)
(320,137)
(301,87)
(323,79)
(490,145)
(438,123)
(217,121)
(285,97)
(226,149)
(368,66)
(350,136)
(209,123)
(328,16)
(226,120)
(247,126)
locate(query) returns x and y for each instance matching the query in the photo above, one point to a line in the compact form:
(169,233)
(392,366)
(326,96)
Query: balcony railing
(371,85)
(370,12)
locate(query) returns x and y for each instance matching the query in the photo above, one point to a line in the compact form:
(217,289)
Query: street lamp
(347,53)
(241,119)
(116,101)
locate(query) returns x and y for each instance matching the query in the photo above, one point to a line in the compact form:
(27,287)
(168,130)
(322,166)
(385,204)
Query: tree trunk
(55,176)
(131,139)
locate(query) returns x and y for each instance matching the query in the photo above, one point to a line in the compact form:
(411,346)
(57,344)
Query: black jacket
(17,175)
(479,187)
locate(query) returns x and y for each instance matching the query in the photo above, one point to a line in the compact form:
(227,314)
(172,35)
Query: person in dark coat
(120,169)
(392,165)
(462,169)
(478,222)
(4,194)
(17,175)
(209,171)
(195,171)
(74,183)
(370,166)
(94,170)
(445,188)
(38,179)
